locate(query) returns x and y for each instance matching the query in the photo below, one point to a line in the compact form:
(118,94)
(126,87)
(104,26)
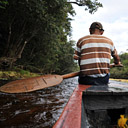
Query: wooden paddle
(37,83)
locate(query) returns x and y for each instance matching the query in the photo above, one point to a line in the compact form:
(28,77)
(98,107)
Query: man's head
(96,28)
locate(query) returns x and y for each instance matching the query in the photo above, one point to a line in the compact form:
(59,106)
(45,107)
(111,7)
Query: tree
(36,30)
(3,4)
(92,6)
(20,22)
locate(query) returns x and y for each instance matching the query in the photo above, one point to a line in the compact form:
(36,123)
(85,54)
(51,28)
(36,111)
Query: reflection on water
(39,109)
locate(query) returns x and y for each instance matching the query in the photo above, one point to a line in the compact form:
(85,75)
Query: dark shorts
(86,80)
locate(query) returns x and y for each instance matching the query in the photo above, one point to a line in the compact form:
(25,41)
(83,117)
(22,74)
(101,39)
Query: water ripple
(37,109)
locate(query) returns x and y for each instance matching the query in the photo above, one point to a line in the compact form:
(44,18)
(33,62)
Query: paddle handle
(70,75)
(77,73)
(115,65)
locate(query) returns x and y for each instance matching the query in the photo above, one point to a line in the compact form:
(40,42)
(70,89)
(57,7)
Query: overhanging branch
(75,3)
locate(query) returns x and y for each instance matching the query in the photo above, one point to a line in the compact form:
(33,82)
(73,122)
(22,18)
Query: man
(93,54)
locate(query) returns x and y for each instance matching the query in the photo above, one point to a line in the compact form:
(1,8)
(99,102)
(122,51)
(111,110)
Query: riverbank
(14,75)
(120,80)
(7,76)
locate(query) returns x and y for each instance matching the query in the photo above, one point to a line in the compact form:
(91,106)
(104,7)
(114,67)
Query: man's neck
(97,32)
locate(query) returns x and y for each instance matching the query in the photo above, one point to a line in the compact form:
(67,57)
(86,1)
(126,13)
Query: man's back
(94,52)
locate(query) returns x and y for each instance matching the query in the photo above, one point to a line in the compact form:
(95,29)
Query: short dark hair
(96,25)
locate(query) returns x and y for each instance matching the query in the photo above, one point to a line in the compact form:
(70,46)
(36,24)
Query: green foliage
(13,75)
(3,4)
(22,72)
(49,49)
(91,5)
(34,34)
(121,72)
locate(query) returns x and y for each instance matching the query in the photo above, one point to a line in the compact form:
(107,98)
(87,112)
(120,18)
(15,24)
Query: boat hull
(71,116)
(95,107)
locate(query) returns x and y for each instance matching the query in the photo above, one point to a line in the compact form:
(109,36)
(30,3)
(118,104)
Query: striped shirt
(94,53)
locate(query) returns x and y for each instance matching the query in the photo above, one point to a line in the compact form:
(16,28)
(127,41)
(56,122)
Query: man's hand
(116,65)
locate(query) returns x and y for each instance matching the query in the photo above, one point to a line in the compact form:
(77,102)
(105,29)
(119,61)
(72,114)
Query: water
(39,109)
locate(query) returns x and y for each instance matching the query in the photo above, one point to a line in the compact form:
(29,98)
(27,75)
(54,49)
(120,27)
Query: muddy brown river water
(39,109)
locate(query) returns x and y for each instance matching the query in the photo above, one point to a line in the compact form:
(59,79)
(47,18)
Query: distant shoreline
(120,80)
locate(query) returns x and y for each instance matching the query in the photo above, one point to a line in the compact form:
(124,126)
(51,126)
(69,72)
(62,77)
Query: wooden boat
(94,107)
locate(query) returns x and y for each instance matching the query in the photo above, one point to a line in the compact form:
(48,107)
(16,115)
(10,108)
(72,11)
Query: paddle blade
(31,84)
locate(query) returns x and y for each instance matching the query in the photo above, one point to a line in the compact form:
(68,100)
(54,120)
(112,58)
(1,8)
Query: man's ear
(102,32)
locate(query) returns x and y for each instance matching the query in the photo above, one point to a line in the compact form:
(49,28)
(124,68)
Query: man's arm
(116,57)
(76,57)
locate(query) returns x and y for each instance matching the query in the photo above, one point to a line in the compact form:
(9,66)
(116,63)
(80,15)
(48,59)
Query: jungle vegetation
(35,36)
(121,72)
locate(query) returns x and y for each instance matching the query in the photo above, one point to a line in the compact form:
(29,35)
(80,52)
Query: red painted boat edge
(72,113)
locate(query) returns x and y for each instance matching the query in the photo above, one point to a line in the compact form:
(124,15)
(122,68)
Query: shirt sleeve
(77,52)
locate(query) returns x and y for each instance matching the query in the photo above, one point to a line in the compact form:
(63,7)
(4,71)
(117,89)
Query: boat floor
(104,105)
